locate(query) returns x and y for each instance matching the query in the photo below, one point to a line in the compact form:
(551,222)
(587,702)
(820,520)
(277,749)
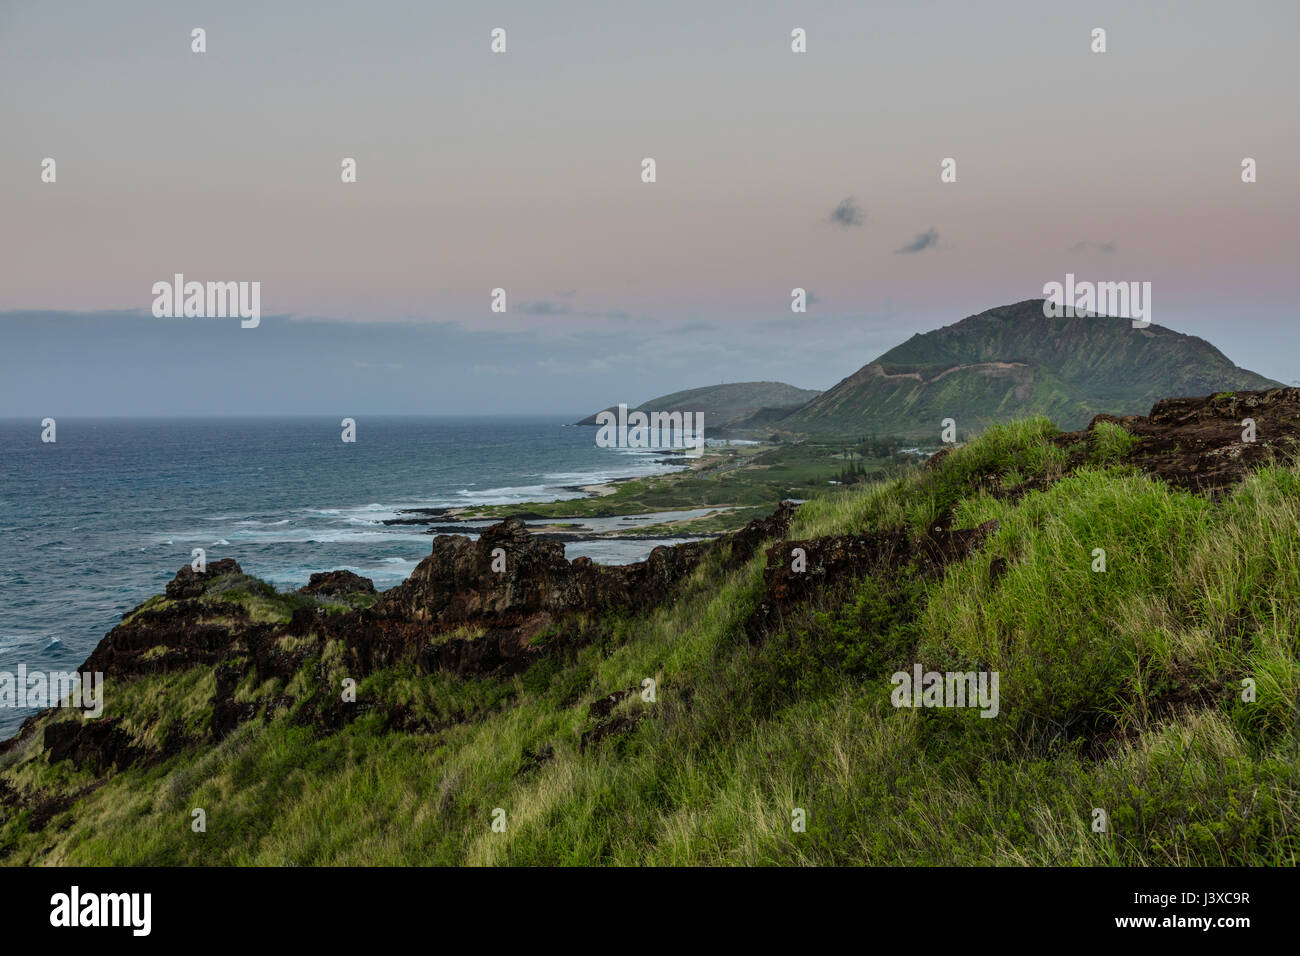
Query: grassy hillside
(1104,357)
(725,404)
(1012,362)
(915,399)
(1120,690)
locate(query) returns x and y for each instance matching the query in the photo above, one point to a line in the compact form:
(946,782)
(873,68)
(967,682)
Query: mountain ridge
(725,403)
(1012,362)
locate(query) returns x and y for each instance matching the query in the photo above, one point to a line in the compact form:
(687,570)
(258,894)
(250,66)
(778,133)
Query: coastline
(670,525)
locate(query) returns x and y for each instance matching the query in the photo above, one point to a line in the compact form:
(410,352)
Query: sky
(522,171)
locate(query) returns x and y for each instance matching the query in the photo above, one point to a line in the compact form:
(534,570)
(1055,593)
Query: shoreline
(471,520)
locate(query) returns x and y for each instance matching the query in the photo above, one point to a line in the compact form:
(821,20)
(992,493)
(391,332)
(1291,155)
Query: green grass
(1120,689)
(1111,442)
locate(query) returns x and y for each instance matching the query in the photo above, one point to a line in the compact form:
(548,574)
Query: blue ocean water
(98,521)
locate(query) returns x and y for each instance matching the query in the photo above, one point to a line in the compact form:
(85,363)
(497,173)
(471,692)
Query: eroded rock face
(337,584)
(1197,443)
(798,571)
(455,614)
(458,583)
(99,744)
(189,583)
(156,641)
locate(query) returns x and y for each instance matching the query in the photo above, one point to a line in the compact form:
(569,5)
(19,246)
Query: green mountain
(1012,362)
(727,404)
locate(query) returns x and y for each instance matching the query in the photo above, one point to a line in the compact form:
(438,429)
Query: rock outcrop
(1199,443)
(471,608)
(335,584)
(189,583)
(511,574)
(798,571)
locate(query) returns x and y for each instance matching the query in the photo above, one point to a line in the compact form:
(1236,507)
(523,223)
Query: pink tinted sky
(522,170)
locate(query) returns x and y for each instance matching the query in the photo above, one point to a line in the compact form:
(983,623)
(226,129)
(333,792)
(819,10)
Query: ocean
(98,521)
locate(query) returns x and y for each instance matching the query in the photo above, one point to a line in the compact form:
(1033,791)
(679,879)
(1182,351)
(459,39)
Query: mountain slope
(725,404)
(1011,362)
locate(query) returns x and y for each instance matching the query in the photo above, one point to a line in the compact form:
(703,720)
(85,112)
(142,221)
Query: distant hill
(1012,362)
(724,405)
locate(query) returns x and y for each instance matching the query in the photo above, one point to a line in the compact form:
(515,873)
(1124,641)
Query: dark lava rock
(614,727)
(337,584)
(189,583)
(457,583)
(185,630)
(452,589)
(997,568)
(1196,443)
(604,706)
(830,562)
(99,744)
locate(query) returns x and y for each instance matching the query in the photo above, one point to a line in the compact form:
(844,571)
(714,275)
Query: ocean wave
(366,514)
(378,535)
(361,533)
(512,494)
(379,518)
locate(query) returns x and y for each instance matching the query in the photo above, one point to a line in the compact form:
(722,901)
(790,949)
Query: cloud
(543,308)
(689,327)
(494,370)
(833,330)
(1087,245)
(847,213)
(925,240)
(592,366)
(803,321)
(617,315)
